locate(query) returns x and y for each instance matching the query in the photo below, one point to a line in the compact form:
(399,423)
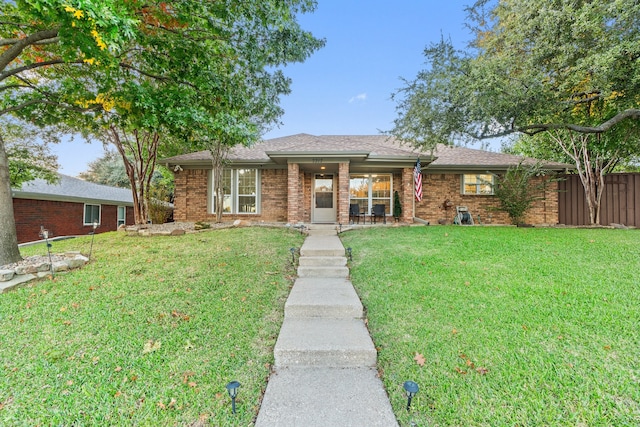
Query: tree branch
(18,70)
(47,102)
(14,51)
(7,42)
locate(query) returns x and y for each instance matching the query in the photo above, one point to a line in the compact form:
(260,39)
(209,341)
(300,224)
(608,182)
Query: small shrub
(517,189)
(397,206)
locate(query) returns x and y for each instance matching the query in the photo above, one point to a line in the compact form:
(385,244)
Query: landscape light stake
(45,235)
(411,388)
(93,235)
(349,254)
(293,255)
(232,388)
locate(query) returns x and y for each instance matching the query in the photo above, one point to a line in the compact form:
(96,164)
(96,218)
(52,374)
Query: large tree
(198,76)
(564,67)
(187,68)
(38,36)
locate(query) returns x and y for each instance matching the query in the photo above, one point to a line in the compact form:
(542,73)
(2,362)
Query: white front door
(324,202)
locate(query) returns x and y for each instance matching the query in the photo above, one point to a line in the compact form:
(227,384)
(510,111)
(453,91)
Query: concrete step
(304,271)
(322,246)
(314,397)
(322,297)
(324,342)
(323,231)
(323,261)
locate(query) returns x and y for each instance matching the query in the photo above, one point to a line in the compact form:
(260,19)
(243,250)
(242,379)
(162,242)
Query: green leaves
(534,66)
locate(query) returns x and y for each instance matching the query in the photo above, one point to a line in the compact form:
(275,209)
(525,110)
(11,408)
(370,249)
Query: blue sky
(344,88)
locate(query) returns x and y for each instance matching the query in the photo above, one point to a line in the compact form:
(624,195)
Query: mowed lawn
(147,334)
(504,326)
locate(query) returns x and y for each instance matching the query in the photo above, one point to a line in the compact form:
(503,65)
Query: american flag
(417,180)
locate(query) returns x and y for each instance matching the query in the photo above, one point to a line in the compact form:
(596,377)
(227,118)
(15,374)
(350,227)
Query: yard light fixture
(293,255)
(232,389)
(411,388)
(349,254)
(93,235)
(44,233)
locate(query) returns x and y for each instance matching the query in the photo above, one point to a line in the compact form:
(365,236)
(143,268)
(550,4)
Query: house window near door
(370,189)
(122,215)
(91,214)
(240,188)
(479,184)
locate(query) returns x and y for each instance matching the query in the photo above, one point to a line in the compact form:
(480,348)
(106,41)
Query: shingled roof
(71,189)
(444,157)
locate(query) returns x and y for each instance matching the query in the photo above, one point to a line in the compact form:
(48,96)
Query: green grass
(147,334)
(518,327)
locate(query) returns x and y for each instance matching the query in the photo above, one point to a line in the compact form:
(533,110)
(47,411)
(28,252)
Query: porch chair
(378,212)
(354,212)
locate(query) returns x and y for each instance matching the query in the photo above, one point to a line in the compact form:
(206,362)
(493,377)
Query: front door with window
(324,203)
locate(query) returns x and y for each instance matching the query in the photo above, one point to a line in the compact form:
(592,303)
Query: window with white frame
(368,190)
(122,215)
(479,184)
(91,214)
(240,188)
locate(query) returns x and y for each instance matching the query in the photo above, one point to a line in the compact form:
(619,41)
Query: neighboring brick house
(69,208)
(314,179)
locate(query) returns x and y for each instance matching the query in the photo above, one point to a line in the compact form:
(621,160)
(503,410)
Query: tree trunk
(590,167)
(143,147)
(218,155)
(9,251)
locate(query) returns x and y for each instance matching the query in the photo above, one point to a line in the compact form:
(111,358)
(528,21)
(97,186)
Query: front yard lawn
(149,333)
(504,326)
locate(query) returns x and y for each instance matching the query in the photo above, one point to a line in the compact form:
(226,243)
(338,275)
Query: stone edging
(12,277)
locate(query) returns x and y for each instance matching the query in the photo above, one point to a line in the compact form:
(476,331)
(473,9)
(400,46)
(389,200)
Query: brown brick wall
(192,192)
(286,196)
(60,218)
(343,193)
(293,192)
(437,188)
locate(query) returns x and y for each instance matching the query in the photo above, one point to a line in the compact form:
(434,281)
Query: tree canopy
(187,71)
(532,66)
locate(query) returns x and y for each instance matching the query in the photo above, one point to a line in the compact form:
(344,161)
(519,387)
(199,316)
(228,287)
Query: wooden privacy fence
(620,202)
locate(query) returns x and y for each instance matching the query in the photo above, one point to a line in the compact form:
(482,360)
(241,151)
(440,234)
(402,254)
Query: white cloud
(358,98)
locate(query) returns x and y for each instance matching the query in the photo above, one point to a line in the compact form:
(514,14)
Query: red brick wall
(60,218)
(436,188)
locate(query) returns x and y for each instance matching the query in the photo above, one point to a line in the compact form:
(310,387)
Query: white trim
(124,218)
(235,197)
(477,184)
(370,197)
(84,214)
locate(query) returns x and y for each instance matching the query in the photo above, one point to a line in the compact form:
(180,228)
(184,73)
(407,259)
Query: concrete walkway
(324,373)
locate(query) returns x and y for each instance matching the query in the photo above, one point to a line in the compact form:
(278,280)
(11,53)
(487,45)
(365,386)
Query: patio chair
(355,212)
(463,217)
(378,212)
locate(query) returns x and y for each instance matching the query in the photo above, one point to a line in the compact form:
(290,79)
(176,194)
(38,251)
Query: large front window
(240,188)
(477,184)
(368,190)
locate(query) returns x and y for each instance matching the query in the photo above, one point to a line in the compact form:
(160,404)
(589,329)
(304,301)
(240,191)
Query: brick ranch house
(313,179)
(69,208)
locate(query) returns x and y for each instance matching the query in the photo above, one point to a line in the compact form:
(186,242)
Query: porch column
(407,197)
(293,195)
(343,193)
